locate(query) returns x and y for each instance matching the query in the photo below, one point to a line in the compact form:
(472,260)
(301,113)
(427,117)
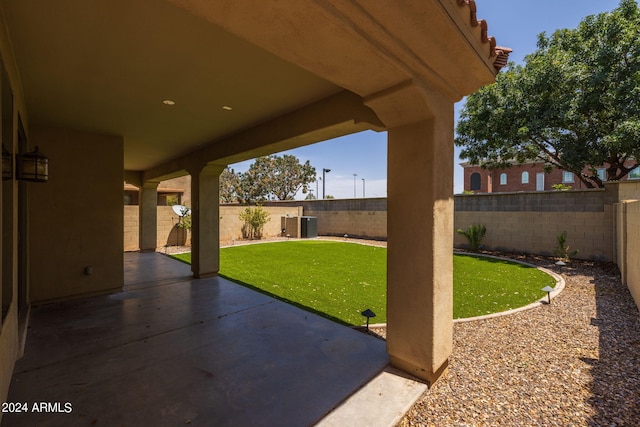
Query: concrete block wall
(131,228)
(365,224)
(356,217)
(169,234)
(601,224)
(531,222)
(536,232)
(231,224)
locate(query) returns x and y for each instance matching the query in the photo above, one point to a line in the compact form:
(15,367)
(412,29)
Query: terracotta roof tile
(499,53)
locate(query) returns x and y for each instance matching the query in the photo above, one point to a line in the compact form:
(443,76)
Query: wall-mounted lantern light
(33,166)
(7,164)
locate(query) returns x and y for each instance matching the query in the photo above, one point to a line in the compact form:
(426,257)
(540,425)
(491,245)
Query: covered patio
(172,350)
(113,91)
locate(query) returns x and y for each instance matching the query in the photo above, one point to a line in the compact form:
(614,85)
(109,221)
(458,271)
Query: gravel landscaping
(575,362)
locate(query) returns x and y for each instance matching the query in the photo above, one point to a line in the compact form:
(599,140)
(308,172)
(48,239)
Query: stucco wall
(76,218)
(632,252)
(626,190)
(10,325)
(9,346)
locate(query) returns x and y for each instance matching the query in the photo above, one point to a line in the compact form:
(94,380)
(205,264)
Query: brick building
(525,177)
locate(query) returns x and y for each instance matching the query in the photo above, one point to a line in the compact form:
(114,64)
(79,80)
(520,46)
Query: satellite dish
(181,210)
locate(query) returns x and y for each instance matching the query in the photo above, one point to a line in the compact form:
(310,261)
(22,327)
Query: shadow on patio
(171,350)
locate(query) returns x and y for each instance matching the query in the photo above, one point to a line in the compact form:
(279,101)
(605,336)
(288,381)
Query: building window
(602,174)
(525,177)
(476,183)
(567,176)
(503,179)
(635,174)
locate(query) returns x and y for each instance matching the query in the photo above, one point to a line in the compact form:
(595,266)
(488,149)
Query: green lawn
(339,280)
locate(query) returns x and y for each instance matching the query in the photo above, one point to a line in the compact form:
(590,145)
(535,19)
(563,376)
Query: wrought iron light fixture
(33,166)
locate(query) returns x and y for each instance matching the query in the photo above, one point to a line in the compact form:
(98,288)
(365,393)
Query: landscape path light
(368,314)
(548,290)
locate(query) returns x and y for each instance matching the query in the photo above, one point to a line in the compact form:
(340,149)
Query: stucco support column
(420,227)
(205,220)
(148,214)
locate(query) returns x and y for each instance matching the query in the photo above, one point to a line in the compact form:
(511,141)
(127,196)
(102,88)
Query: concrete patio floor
(172,350)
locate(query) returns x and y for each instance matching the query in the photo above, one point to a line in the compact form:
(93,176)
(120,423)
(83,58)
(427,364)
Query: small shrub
(185,218)
(172,200)
(561,187)
(254,221)
(562,249)
(474,235)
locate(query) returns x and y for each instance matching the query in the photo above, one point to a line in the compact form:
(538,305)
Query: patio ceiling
(245,78)
(106,66)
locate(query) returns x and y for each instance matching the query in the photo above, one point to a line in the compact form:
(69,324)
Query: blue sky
(514,23)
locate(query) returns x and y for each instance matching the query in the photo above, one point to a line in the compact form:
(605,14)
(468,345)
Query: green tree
(229,186)
(574,104)
(275,177)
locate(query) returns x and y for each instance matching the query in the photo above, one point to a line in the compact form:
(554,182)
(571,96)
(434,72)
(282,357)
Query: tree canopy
(229,186)
(269,177)
(575,104)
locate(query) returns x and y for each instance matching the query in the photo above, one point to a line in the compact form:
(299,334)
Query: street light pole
(354,185)
(363,196)
(324,180)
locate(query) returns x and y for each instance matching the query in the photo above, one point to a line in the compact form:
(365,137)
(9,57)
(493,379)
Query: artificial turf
(339,280)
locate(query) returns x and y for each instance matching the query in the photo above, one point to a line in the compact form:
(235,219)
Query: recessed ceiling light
(226,107)
(168,102)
